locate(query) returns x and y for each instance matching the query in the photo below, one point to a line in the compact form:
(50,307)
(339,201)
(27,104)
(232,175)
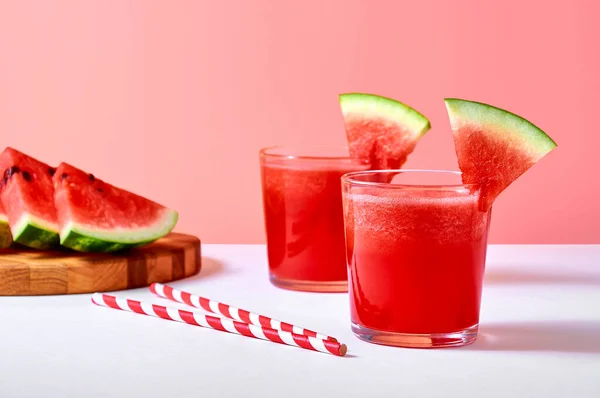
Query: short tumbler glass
(416,245)
(302,198)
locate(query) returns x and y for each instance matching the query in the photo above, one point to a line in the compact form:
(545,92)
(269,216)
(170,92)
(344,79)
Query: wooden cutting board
(35,272)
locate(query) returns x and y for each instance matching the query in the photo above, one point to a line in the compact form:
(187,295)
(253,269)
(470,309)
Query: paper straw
(230,312)
(224,325)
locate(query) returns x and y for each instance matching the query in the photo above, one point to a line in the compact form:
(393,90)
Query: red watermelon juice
(416,255)
(304,223)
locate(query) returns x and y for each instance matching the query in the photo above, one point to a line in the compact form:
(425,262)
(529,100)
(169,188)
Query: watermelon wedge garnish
(5,235)
(381,129)
(494,147)
(27,196)
(97,217)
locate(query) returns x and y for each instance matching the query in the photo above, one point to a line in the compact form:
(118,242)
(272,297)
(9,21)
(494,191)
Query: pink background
(173,99)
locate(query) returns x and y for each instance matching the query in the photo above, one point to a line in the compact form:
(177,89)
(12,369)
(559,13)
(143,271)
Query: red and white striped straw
(224,325)
(230,312)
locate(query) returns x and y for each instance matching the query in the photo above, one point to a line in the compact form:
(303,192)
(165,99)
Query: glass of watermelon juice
(416,246)
(304,222)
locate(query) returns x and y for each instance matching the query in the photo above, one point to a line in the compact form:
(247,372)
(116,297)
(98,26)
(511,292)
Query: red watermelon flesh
(381,129)
(27,195)
(96,216)
(494,147)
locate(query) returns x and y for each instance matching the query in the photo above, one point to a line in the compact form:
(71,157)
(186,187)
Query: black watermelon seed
(3,182)
(63,176)
(13,170)
(92,178)
(99,190)
(51,170)
(26,176)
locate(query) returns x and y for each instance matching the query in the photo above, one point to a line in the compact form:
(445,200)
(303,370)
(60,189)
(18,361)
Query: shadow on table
(210,267)
(549,336)
(524,276)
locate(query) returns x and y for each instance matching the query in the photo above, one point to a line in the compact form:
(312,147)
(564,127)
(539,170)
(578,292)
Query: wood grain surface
(35,272)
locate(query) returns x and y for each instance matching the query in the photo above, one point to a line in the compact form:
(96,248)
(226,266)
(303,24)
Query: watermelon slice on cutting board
(97,217)
(27,196)
(494,147)
(381,129)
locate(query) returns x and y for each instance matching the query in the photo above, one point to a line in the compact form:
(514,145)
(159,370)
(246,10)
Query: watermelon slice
(97,217)
(27,195)
(494,146)
(381,129)
(5,235)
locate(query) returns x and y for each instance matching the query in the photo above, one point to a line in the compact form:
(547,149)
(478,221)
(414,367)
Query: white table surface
(539,337)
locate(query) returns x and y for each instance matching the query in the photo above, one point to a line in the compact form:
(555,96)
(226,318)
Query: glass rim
(349,178)
(289,153)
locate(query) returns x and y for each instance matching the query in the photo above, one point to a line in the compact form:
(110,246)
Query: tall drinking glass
(416,246)
(304,222)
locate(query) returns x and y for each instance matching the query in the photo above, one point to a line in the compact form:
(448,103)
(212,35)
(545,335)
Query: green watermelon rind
(88,239)
(34,232)
(5,234)
(464,111)
(376,106)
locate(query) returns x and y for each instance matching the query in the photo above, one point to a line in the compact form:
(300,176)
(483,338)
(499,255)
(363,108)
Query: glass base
(409,340)
(310,286)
